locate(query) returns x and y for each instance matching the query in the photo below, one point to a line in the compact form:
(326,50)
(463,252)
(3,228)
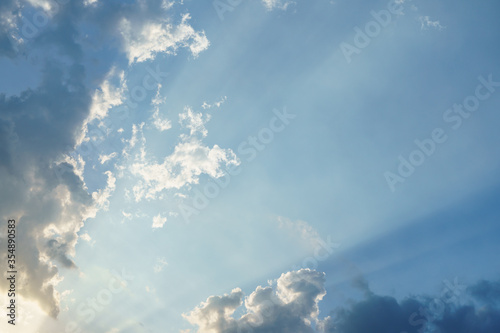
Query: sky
(236,166)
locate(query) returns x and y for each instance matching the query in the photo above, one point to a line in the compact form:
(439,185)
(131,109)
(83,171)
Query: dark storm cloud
(380,314)
(486,291)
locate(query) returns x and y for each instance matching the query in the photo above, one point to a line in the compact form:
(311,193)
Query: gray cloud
(42,187)
(292,305)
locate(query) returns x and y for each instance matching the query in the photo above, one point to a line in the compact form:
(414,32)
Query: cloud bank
(292,304)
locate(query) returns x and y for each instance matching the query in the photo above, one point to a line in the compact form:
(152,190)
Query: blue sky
(264,166)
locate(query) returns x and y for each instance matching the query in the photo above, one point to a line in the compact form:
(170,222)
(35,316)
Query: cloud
(486,291)
(9,43)
(162,124)
(216,104)
(184,166)
(291,305)
(380,314)
(277,4)
(158,221)
(86,237)
(108,95)
(46,196)
(41,126)
(443,313)
(426,22)
(104,158)
(142,43)
(194,121)
(101,197)
(190,159)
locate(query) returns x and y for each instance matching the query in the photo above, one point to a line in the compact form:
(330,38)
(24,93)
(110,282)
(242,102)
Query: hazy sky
(251,166)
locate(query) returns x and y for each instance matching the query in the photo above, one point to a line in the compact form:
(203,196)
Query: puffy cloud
(184,166)
(108,95)
(86,237)
(159,221)
(290,306)
(194,121)
(214,315)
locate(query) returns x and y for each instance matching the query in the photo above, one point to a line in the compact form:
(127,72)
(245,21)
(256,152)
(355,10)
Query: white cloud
(193,121)
(189,160)
(142,43)
(426,22)
(90,2)
(46,5)
(86,237)
(162,124)
(216,104)
(184,166)
(104,158)
(135,137)
(101,197)
(290,306)
(159,221)
(106,97)
(277,4)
